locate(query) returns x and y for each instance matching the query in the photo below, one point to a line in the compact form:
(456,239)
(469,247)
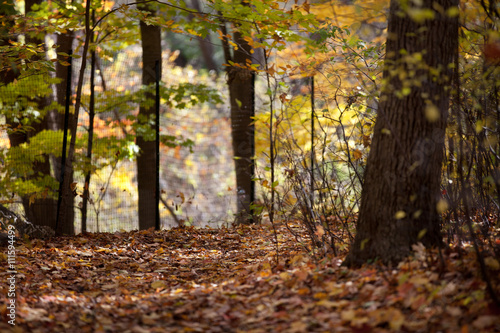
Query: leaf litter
(238,280)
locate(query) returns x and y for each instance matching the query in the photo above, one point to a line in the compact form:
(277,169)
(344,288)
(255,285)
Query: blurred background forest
(318,69)
(197,182)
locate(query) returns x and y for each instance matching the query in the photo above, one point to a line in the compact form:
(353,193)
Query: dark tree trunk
(241,94)
(56,122)
(146,161)
(402,179)
(41,211)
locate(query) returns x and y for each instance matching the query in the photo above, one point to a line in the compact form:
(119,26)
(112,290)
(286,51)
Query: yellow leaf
(290,199)
(266,266)
(249,40)
(348,315)
(158,284)
(452,11)
(357,154)
(306,7)
(331,304)
(479,126)
(432,113)
(442,206)
(181,195)
(298,326)
(320,295)
(303,291)
(32,199)
(320,231)
(271,70)
(363,244)
(421,233)
(233,45)
(406,91)
(193,32)
(419,280)
(420,14)
(296,259)
(492,263)
(366,141)
(397,319)
(400,215)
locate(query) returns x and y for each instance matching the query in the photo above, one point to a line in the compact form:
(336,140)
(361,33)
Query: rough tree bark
(241,83)
(65,43)
(241,95)
(146,161)
(402,179)
(43,210)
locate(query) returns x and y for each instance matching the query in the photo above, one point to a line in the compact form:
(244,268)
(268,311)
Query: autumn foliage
(318,70)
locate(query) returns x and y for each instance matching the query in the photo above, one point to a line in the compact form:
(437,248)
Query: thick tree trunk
(146,161)
(402,179)
(41,211)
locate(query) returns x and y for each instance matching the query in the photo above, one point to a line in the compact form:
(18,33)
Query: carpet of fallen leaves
(235,280)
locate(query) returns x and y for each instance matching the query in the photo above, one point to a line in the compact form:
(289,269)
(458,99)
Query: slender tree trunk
(56,122)
(241,95)
(402,180)
(62,225)
(146,161)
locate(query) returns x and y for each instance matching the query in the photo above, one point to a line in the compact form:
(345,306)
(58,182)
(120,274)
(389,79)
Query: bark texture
(402,179)
(241,95)
(43,210)
(56,122)
(146,161)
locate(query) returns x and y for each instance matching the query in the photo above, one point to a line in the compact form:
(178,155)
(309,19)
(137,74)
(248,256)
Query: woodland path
(228,280)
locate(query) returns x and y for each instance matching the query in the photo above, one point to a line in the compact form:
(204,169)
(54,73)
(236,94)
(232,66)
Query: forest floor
(234,280)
